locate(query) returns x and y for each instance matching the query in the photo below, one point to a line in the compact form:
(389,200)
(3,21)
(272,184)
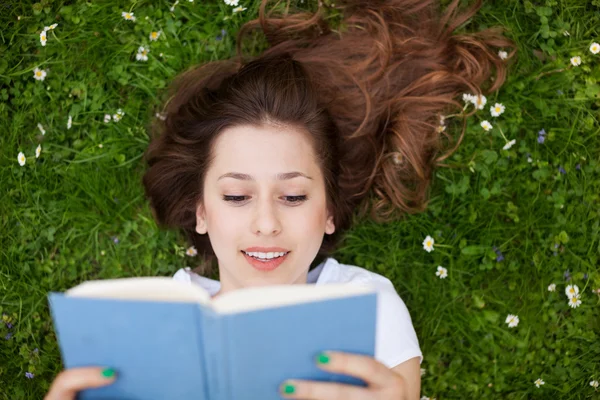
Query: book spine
(216,357)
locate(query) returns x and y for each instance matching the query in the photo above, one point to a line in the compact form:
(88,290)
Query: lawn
(514,216)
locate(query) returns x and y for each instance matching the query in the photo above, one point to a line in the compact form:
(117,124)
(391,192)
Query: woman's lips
(265,265)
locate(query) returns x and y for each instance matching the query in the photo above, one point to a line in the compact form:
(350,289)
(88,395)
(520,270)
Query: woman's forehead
(264,151)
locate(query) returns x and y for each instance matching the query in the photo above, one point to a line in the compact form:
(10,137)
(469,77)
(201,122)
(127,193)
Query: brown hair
(370,95)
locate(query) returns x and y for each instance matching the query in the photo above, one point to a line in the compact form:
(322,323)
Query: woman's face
(265,211)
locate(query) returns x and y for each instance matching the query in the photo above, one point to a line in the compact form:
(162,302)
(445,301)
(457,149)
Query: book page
(260,297)
(142,288)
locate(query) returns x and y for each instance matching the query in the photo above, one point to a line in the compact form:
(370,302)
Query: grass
(77,212)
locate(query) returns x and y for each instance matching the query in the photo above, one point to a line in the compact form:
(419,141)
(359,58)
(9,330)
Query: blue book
(169,340)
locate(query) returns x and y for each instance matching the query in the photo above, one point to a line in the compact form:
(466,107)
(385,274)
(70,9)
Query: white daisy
(154,35)
(142,54)
(529,159)
(502,54)
(479,101)
(128,16)
(539,382)
(486,125)
(574,301)
(231,2)
(552,287)
(508,145)
(117,117)
(595,48)
(41,128)
(442,119)
(173,6)
(441,272)
(38,150)
(566,33)
(594,384)
(239,9)
(39,74)
(428,244)
(424,398)
(52,26)
(497,109)
(512,320)
(468,98)
(100,145)
(106,118)
(69,122)
(43,37)
(21,158)
(161,116)
(571,290)
(191,251)
(575,61)
(440,128)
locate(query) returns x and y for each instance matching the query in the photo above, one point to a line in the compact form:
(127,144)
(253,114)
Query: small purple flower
(29,375)
(567,275)
(223,33)
(35,350)
(499,254)
(556,245)
(541,136)
(115,239)
(578,167)
(8,336)
(9,325)
(561,170)
(115,200)
(585,276)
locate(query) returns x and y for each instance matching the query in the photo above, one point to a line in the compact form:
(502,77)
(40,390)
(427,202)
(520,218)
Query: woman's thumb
(70,381)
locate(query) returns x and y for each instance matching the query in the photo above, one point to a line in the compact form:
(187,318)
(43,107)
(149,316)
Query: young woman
(263,163)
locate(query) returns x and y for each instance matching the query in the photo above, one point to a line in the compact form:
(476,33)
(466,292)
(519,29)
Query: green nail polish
(288,388)
(108,373)
(323,359)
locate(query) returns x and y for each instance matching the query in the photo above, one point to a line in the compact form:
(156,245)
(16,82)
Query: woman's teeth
(265,256)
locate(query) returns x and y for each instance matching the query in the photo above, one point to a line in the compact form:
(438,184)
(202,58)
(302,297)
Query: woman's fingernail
(108,373)
(288,388)
(323,359)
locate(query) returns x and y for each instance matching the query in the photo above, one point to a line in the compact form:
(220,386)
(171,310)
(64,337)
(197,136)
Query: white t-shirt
(396,340)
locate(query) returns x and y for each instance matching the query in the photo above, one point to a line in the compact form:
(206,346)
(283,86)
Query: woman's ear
(329,225)
(200,220)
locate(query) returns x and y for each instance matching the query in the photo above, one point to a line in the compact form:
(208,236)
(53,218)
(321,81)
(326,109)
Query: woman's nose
(266,220)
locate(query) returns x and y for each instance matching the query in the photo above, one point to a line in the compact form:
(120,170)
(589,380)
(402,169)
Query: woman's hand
(70,381)
(383,383)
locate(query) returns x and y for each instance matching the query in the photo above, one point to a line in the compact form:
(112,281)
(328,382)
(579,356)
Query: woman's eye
(235,199)
(296,199)
(290,199)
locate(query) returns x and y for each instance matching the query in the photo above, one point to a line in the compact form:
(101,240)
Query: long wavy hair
(370,95)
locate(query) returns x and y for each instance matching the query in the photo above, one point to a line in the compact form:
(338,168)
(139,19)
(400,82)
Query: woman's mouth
(267,264)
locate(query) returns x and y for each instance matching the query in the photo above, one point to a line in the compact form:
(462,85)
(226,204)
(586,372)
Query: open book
(169,340)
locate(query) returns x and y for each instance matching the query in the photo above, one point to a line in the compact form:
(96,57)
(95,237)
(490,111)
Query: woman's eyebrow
(279,177)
